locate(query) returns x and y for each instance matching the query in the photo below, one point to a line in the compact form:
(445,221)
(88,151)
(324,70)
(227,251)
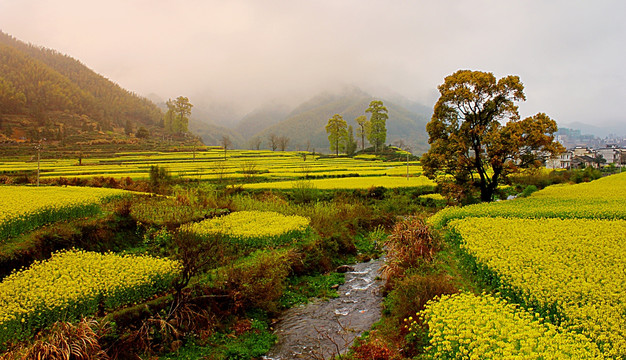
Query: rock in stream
(322,329)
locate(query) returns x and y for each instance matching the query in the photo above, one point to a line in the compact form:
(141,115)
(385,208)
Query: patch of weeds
(302,288)
(370,246)
(250,339)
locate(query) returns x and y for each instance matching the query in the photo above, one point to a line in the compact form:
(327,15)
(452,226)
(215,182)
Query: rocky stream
(324,328)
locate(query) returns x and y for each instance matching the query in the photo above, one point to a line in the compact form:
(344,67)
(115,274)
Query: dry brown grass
(163,331)
(64,341)
(410,244)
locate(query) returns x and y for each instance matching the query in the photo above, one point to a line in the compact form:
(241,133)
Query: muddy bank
(322,329)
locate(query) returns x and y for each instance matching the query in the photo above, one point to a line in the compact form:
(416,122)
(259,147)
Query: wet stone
(344,269)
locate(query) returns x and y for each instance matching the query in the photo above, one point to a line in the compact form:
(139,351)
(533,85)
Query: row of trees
(341,135)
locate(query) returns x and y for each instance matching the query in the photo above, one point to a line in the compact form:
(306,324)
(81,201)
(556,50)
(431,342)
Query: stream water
(323,329)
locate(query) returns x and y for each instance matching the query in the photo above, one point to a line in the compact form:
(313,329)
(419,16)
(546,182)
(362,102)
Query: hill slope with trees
(45,94)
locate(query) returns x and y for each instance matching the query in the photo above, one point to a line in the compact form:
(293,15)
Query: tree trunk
(486,194)
(488,188)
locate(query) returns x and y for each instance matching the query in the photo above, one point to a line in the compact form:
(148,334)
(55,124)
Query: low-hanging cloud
(568,54)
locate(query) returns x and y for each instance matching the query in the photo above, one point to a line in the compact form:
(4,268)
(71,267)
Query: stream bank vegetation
(237,258)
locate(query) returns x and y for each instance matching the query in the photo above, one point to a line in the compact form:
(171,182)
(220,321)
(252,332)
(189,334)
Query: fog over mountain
(233,58)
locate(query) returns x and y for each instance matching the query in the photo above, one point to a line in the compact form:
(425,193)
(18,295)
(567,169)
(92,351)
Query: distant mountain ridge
(45,93)
(305,125)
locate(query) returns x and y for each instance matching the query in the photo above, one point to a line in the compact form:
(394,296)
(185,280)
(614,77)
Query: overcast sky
(569,54)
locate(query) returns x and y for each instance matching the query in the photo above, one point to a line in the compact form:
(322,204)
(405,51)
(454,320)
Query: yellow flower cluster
(76,283)
(361,182)
(574,267)
(599,199)
(27,207)
(253,228)
(465,326)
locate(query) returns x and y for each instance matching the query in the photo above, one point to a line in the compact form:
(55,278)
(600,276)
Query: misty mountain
(207,110)
(262,118)
(598,130)
(411,105)
(45,93)
(305,125)
(212,134)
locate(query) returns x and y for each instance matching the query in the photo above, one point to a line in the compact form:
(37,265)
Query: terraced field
(601,199)
(214,163)
(27,207)
(558,253)
(352,183)
(73,284)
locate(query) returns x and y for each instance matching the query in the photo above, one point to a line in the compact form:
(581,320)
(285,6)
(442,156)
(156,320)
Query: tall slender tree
(378,121)
(337,130)
(362,130)
(273,141)
(226,143)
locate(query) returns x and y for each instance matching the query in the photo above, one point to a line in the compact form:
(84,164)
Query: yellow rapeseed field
(253,228)
(600,199)
(361,182)
(466,326)
(574,267)
(76,283)
(27,207)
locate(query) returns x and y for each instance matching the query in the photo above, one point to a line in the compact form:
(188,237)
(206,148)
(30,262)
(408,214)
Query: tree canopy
(177,117)
(377,124)
(337,130)
(475,133)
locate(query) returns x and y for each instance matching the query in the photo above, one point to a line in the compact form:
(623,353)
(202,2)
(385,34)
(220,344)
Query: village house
(611,154)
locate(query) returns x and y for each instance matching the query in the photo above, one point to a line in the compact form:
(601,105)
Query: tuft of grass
(302,288)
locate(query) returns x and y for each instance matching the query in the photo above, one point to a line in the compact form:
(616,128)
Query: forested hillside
(44,93)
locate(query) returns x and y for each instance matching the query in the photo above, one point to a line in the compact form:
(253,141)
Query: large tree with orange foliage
(476,134)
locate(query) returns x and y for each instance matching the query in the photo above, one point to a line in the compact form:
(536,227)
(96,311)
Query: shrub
(410,244)
(258,281)
(411,294)
(315,257)
(159,178)
(528,190)
(304,191)
(372,350)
